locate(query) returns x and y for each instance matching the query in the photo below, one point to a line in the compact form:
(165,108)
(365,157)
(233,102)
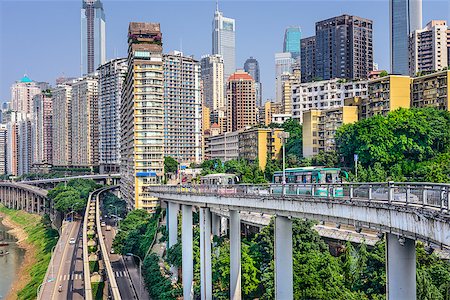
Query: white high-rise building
(111,78)
(213,84)
(223,42)
(183,108)
(283,66)
(325,94)
(93,40)
(62,125)
(22,93)
(3,148)
(428,48)
(42,130)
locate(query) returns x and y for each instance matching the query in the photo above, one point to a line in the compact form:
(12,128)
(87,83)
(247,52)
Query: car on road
(112,251)
(108,228)
(72,241)
(103,224)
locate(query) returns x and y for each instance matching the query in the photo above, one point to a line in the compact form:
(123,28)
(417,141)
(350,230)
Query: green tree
(170,165)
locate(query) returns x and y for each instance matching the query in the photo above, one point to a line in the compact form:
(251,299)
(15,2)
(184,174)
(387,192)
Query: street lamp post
(140,272)
(284,136)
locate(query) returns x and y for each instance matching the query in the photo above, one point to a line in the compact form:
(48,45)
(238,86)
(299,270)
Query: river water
(10,263)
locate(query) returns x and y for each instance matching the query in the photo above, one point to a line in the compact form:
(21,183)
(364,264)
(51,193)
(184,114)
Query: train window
(298,178)
(277,179)
(230,180)
(329,178)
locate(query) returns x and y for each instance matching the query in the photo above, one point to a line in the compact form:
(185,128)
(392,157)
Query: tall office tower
(110,83)
(22,93)
(42,130)
(93,40)
(283,66)
(183,108)
(241,101)
(428,48)
(344,47)
(213,84)
(142,117)
(405,16)
(308,59)
(223,41)
(292,37)
(84,122)
(251,66)
(19,151)
(3,149)
(62,125)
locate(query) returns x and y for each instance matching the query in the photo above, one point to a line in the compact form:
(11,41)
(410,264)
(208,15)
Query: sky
(42,38)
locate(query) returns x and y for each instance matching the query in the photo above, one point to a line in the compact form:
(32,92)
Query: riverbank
(37,239)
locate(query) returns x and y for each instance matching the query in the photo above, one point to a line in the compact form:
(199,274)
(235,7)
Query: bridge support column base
(284,276)
(172,222)
(187,255)
(205,254)
(235,255)
(400,268)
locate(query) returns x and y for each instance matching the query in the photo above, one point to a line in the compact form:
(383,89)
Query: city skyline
(66,28)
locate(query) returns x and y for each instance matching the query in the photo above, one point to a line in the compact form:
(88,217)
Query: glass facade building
(223,42)
(292,37)
(93,49)
(251,66)
(405,16)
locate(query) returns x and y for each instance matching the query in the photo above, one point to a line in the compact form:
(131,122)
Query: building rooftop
(25,79)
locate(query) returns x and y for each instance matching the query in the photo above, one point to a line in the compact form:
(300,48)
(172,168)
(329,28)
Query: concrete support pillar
(215,223)
(284,276)
(235,255)
(205,254)
(172,227)
(400,268)
(223,225)
(187,252)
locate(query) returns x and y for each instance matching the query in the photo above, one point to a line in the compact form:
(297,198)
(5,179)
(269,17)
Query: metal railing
(427,195)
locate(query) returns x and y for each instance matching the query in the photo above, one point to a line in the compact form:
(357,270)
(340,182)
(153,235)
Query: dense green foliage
(43,238)
(408,144)
(111,203)
(170,165)
(97,290)
(247,172)
(73,195)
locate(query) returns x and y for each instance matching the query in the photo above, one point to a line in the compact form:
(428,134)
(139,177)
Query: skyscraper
(405,16)
(142,117)
(84,122)
(283,66)
(93,40)
(223,41)
(18,141)
(183,108)
(344,47)
(62,125)
(213,84)
(308,58)
(3,149)
(292,37)
(22,93)
(251,66)
(241,101)
(428,48)
(42,129)
(110,83)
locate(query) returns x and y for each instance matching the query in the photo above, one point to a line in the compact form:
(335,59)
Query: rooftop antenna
(217,5)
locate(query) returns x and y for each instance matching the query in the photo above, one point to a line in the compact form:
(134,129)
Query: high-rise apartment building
(325,94)
(428,48)
(213,84)
(431,90)
(182,108)
(142,117)
(283,65)
(111,76)
(62,125)
(22,93)
(223,41)
(3,148)
(241,100)
(344,48)
(93,36)
(42,130)
(19,144)
(291,43)
(308,58)
(405,16)
(286,99)
(251,66)
(84,122)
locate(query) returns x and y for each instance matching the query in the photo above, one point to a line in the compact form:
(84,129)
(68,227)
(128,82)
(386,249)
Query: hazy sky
(42,38)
